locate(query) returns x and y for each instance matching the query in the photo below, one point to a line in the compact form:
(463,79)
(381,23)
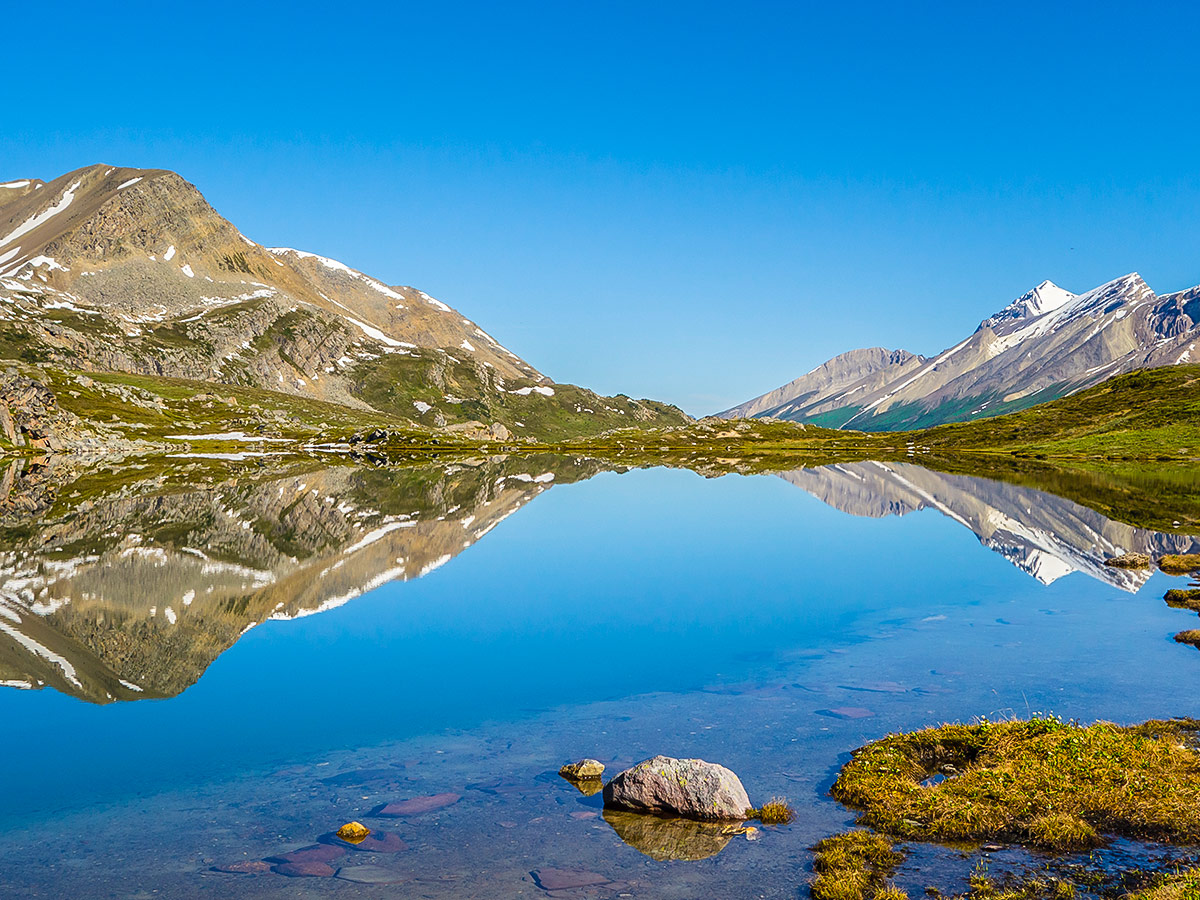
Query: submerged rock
(381,842)
(315,853)
(370,875)
(584,770)
(305,870)
(566,879)
(418,805)
(665,839)
(1129,561)
(690,788)
(247,867)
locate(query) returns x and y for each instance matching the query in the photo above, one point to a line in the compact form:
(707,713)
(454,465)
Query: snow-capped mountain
(131,270)
(1045,344)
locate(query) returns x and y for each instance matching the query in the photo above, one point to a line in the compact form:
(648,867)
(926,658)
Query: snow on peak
(1044,298)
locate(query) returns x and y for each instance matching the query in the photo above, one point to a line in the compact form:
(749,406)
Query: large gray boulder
(691,788)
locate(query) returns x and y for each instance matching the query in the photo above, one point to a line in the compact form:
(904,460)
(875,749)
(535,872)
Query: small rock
(418,805)
(1129,561)
(566,879)
(249,867)
(321,853)
(353,832)
(992,848)
(691,788)
(584,770)
(370,875)
(305,870)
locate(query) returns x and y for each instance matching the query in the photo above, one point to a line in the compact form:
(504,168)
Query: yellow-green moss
(1177,886)
(1042,782)
(855,866)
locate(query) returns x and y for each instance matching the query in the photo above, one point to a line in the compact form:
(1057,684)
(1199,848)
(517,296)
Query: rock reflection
(667,839)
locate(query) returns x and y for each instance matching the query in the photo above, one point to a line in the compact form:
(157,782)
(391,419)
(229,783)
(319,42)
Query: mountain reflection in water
(134,595)
(1038,532)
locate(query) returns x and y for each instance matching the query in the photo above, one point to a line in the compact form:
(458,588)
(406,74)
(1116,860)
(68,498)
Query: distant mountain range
(1045,344)
(131,270)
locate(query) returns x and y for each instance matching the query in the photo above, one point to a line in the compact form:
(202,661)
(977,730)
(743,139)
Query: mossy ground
(855,865)
(1043,783)
(1183,885)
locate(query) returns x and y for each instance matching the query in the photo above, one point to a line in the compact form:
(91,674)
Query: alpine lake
(210,665)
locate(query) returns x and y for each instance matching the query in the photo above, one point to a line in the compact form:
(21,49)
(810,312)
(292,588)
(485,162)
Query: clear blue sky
(690,201)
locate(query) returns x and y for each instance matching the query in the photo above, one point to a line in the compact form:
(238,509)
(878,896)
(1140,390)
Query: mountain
(131,270)
(1046,344)
(1042,534)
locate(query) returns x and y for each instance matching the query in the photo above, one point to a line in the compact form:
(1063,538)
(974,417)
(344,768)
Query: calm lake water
(222,675)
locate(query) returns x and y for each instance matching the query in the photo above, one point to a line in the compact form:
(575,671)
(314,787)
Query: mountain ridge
(131,270)
(1046,344)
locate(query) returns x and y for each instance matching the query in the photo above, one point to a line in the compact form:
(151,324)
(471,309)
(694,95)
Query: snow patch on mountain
(1044,298)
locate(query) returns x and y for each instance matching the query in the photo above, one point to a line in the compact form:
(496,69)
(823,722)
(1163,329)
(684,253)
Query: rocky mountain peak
(1044,298)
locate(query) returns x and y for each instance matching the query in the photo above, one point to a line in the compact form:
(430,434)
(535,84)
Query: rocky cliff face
(131,270)
(1045,344)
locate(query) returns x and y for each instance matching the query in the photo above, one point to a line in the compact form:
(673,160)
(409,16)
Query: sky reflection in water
(622,585)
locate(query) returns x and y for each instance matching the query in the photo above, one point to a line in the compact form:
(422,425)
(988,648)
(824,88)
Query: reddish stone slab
(321,853)
(419,805)
(305,870)
(380,842)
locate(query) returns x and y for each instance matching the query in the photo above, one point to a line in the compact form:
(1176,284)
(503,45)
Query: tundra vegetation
(1043,784)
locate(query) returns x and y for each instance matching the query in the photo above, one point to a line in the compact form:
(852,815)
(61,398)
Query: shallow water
(737,619)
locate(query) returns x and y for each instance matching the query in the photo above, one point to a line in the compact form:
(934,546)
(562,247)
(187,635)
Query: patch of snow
(15,184)
(187,270)
(37,649)
(466,345)
(170,254)
(45,216)
(129,183)
(422,406)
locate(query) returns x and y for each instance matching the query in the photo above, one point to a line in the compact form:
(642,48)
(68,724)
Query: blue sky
(689,201)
